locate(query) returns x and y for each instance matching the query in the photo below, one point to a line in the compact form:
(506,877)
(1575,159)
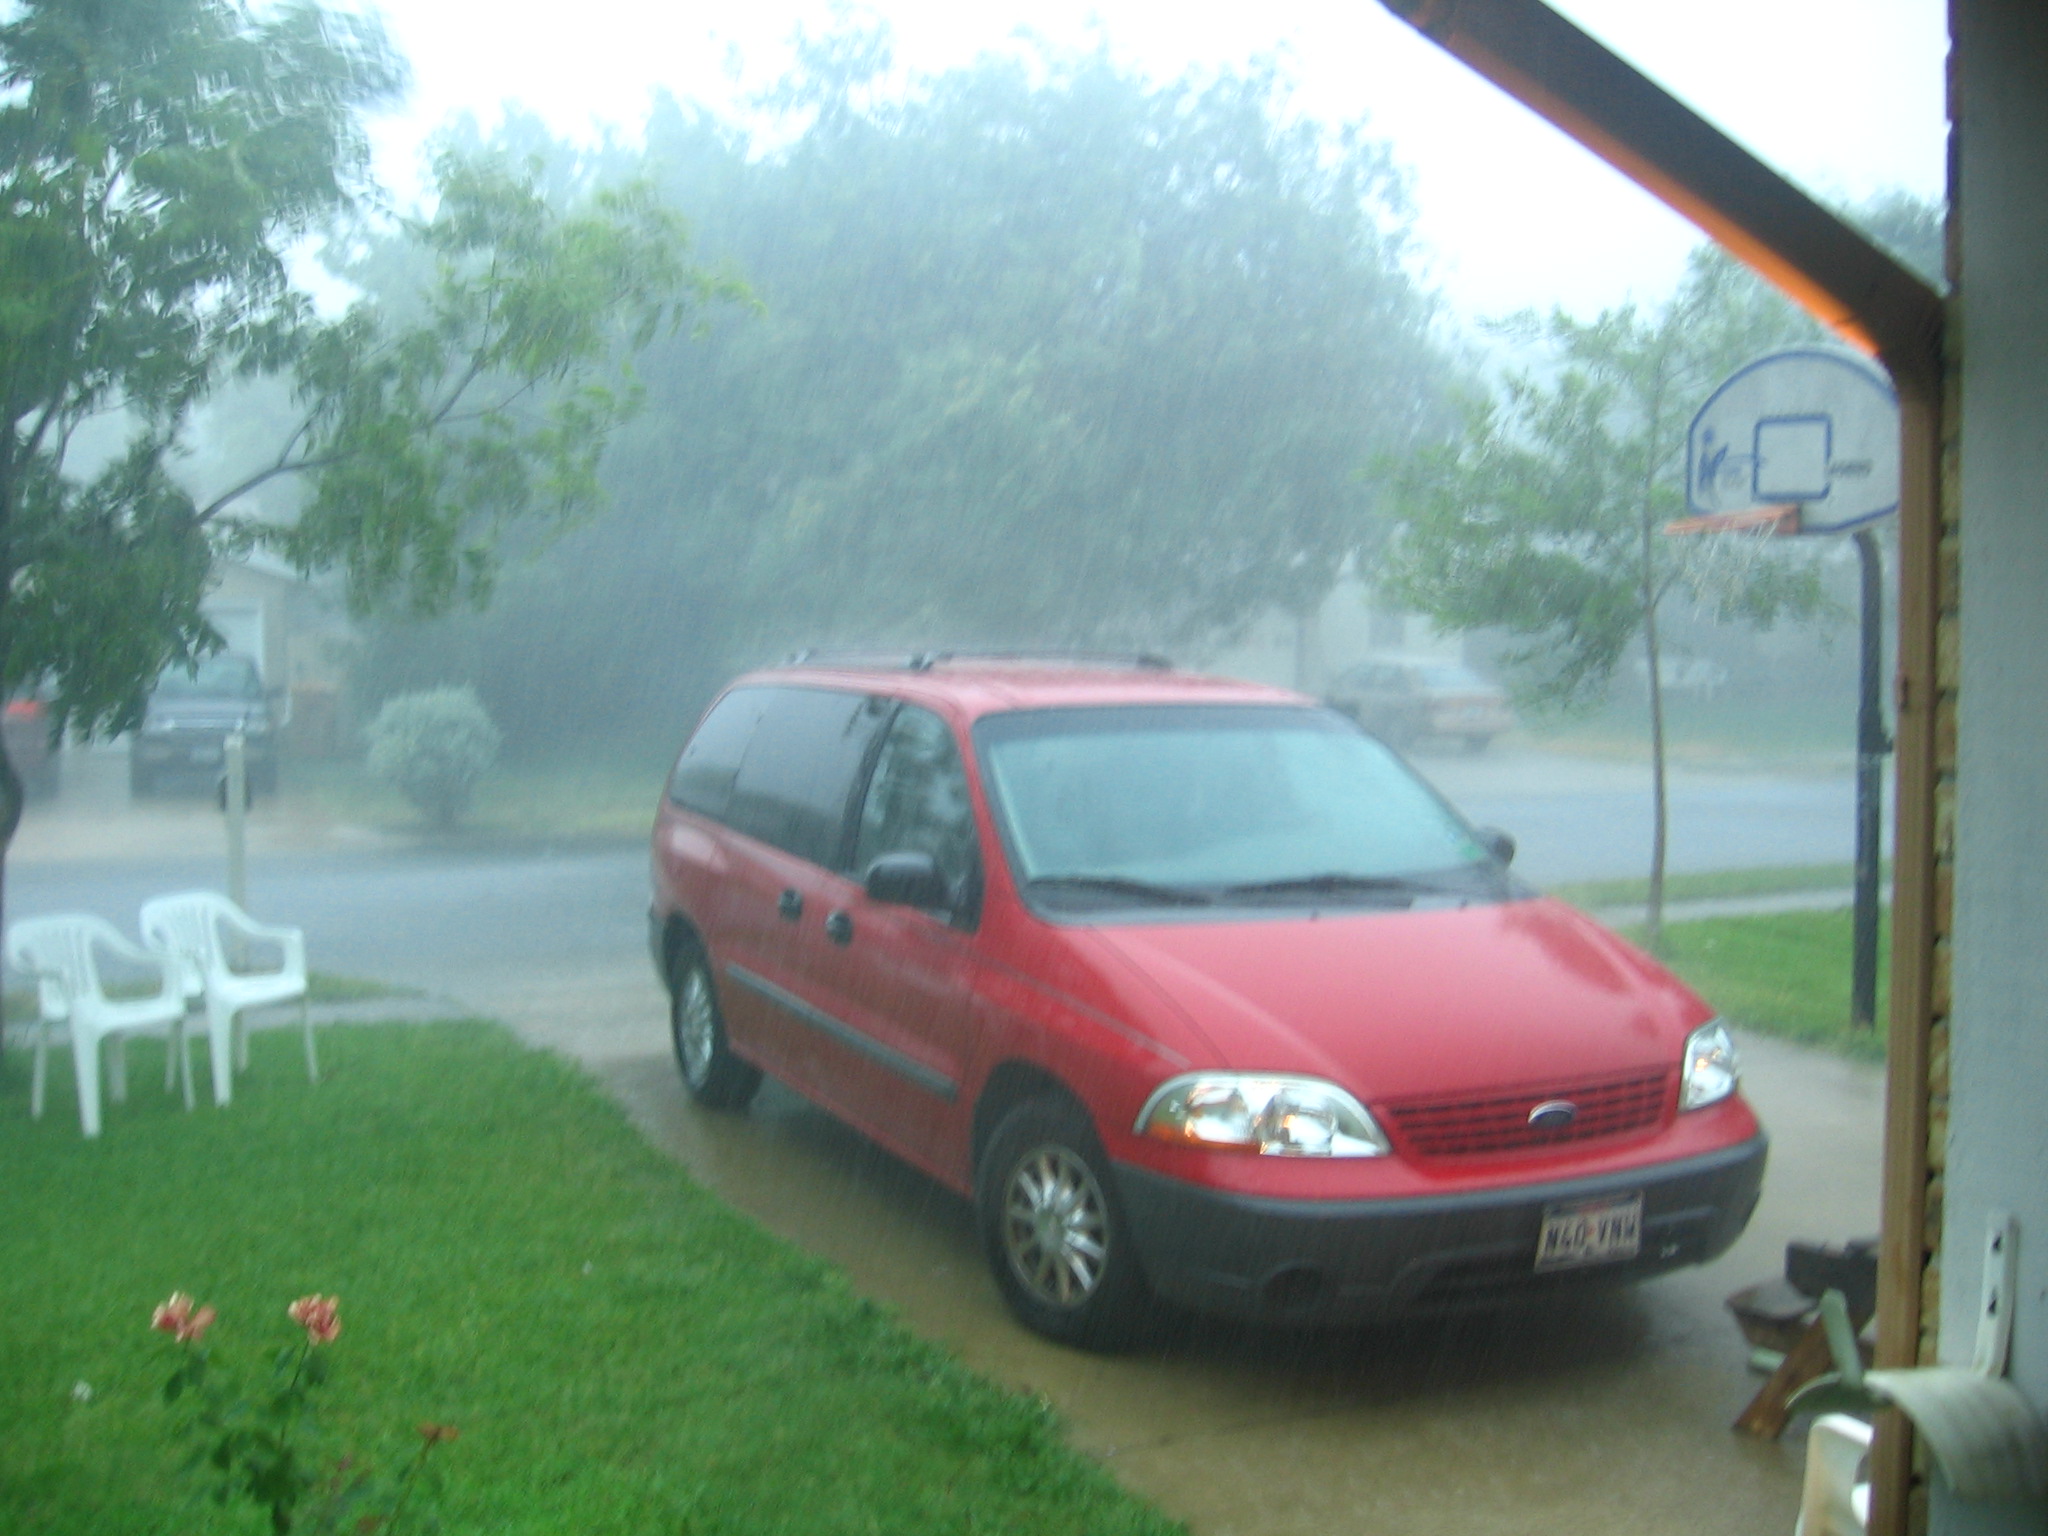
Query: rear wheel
(1054,1228)
(716,1078)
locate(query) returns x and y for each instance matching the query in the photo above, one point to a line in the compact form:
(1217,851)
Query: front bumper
(1309,1261)
(199,752)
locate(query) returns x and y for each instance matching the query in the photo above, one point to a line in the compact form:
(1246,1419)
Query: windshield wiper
(1337,883)
(1121,885)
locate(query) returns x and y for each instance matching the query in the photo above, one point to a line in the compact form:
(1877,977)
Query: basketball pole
(1872,747)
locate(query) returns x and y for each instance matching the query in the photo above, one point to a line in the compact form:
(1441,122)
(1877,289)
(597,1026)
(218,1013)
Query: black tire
(1054,1229)
(716,1078)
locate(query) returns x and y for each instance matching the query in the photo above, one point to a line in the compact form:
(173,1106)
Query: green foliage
(1049,354)
(1544,517)
(161,159)
(434,746)
(263,1446)
(424,442)
(622,1352)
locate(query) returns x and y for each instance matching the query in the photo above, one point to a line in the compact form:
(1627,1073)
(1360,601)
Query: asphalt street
(1605,1414)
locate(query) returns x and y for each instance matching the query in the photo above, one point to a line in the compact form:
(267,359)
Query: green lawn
(1783,973)
(609,792)
(620,1351)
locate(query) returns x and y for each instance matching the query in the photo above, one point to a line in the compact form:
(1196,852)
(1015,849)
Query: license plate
(1601,1231)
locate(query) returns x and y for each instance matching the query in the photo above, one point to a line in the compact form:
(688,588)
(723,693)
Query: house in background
(299,636)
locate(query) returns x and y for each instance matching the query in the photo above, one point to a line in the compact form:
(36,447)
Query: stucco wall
(1997,1150)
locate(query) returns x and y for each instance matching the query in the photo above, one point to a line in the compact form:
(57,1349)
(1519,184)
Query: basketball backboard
(1812,427)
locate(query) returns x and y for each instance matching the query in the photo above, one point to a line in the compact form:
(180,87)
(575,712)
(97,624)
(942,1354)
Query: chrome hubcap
(696,1025)
(1056,1226)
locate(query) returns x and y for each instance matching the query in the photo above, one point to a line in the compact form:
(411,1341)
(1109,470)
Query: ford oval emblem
(1553,1114)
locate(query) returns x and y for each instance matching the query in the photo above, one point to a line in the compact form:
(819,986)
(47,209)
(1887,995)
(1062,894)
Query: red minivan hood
(1401,1004)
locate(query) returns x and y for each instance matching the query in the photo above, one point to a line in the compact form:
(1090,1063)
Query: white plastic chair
(62,953)
(207,934)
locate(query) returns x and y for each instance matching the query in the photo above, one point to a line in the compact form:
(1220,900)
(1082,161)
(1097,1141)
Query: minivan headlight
(1709,1070)
(1277,1116)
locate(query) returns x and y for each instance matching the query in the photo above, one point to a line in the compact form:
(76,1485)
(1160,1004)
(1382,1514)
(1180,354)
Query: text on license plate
(1591,1232)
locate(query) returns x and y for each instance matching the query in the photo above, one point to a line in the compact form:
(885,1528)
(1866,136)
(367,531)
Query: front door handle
(790,905)
(839,928)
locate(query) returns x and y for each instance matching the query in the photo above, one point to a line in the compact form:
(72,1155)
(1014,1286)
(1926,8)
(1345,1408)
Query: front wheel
(716,1078)
(1054,1229)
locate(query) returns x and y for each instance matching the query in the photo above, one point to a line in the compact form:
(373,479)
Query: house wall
(1996,1154)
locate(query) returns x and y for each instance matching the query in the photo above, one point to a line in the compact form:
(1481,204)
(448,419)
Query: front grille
(1482,1125)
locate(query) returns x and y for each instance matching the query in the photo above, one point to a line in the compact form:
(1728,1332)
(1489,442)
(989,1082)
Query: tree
(1544,518)
(163,159)
(1050,354)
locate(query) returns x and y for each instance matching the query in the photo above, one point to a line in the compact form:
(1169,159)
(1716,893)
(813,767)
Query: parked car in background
(1407,699)
(29,747)
(1191,986)
(191,713)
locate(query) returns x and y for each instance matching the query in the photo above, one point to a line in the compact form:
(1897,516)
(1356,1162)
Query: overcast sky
(1843,95)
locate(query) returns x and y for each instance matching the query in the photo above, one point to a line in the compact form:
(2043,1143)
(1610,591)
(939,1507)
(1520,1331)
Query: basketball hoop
(1771,522)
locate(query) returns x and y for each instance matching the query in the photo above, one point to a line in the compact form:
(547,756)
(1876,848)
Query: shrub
(433,746)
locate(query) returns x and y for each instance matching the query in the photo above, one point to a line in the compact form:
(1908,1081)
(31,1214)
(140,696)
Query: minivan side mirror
(1498,843)
(908,880)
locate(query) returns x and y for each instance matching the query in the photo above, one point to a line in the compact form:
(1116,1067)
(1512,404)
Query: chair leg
(241,1044)
(85,1061)
(220,1029)
(39,1071)
(117,1071)
(312,1058)
(182,1044)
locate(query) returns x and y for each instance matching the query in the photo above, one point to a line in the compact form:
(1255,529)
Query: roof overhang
(1825,265)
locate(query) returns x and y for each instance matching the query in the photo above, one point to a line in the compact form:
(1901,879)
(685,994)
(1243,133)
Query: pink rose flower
(320,1316)
(178,1318)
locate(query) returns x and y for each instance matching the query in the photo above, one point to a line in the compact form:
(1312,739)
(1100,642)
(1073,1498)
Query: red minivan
(1192,986)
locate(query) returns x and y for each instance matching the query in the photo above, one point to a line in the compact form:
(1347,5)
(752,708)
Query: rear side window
(798,773)
(704,774)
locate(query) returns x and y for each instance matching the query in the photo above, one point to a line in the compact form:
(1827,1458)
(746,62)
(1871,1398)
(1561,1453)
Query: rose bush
(257,1446)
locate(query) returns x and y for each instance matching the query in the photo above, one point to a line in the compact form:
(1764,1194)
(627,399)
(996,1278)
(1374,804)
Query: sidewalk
(93,817)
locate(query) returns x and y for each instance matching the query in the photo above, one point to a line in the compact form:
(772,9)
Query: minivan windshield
(1195,805)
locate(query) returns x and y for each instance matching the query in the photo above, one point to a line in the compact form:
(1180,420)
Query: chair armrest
(170,967)
(292,941)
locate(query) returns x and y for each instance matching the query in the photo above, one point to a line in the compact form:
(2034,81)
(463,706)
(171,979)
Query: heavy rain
(609,356)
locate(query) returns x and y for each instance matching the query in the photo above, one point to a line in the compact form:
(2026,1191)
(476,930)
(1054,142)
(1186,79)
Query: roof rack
(925,661)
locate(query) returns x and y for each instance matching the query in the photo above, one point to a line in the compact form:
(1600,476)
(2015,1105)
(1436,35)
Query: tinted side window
(703,776)
(917,800)
(799,771)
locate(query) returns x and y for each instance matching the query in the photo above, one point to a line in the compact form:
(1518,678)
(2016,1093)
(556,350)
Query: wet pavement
(1607,1413)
